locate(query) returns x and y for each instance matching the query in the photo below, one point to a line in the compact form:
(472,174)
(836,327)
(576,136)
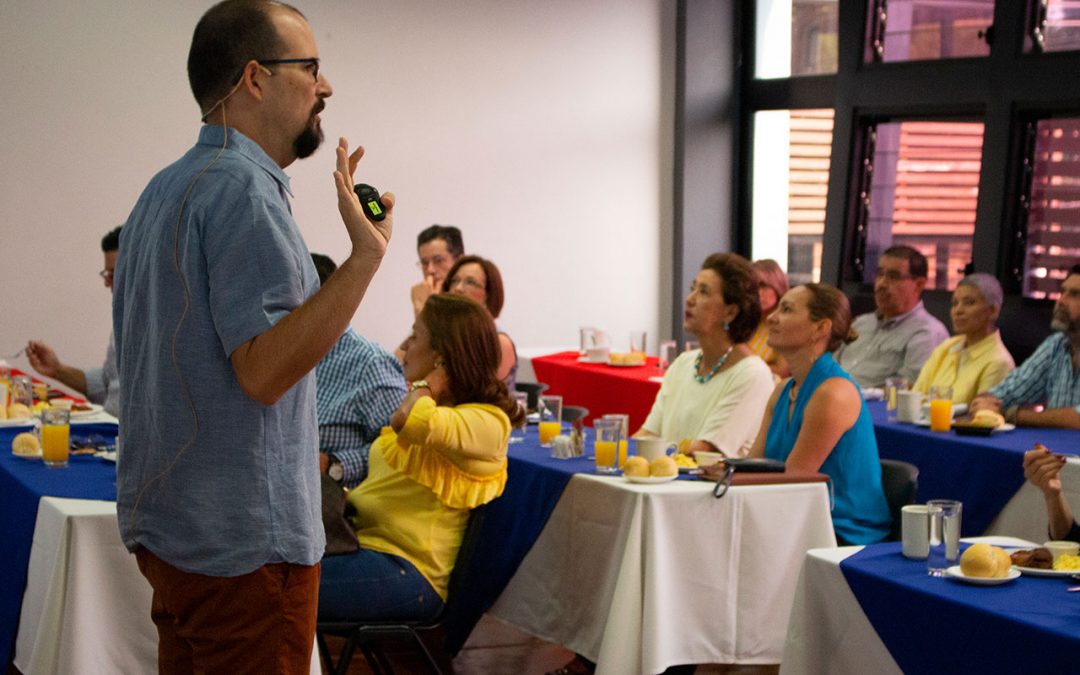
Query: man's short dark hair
(1075,269)
(111,241)
(448,233)
(230,34)
(324,266)
(917,266)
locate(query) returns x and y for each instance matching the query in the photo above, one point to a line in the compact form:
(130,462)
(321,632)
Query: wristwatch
(417,384)
(336,470)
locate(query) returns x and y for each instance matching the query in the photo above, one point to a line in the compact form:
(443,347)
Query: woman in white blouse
(714,396)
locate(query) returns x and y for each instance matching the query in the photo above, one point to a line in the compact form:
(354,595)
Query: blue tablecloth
(938,625)
(984,472)
(535,482)
(22,484)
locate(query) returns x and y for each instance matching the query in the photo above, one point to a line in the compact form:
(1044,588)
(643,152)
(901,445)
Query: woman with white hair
(975,359)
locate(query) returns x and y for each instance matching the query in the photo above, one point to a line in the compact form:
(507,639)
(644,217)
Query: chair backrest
(572,413)
(900,482)
(533,389)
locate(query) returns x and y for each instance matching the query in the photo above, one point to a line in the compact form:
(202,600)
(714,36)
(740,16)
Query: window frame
(1004,90)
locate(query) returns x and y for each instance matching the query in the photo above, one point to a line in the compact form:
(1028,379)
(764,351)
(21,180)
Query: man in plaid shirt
(358,385)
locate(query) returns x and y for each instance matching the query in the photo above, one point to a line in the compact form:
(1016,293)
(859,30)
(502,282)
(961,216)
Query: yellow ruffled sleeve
(459,453)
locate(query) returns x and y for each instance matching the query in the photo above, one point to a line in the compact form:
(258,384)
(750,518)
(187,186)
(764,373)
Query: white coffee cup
(651,448)
(909,406)
(915,531)
(597,354)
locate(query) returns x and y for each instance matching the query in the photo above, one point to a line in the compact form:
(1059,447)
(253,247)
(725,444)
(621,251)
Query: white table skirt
(642,577)
(828,632)
(86,608)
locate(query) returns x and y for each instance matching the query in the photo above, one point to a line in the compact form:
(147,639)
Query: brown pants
(262,622)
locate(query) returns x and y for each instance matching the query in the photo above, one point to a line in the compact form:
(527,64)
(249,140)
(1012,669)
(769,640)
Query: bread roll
(987,418)
(986,561)
(25,443)
(636,466)
(17,411)
(663,467)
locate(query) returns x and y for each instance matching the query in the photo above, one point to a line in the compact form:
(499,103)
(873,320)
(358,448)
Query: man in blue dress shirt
(219,321)
(1045,390)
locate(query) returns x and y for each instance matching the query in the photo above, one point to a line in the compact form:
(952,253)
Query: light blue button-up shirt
(1046,377)
(210,480)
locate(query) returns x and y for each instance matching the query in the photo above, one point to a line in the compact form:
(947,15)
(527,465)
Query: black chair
(900,481)
(366,635)
(533,389)
(573,413)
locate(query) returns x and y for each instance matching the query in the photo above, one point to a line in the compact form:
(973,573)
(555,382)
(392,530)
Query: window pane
(1053,228)
(791,179)
(1059,29)
(923,192)
(919,30)
(795,37)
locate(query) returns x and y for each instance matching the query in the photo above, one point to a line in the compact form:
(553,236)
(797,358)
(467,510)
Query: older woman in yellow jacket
(975,359)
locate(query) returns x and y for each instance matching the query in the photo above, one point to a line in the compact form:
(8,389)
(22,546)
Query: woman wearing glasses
(479,279)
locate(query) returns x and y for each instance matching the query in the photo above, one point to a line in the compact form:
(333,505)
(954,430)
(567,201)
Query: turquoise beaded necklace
(702,379)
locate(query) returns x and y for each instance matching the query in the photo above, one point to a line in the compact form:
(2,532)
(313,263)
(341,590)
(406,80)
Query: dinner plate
(19,422)
(94,409)
(1037,572)
(955,573)
(873,394)
(626,365)
(648,480)
(29,457)
(108,456)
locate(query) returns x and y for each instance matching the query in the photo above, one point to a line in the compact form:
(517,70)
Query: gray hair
(987,285)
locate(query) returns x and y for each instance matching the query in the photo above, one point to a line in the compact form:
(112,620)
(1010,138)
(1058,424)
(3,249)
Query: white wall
(542,129)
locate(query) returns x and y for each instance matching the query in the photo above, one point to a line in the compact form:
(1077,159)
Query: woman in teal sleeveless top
(817,420)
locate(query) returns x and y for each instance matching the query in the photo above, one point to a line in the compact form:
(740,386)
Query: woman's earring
(726,325)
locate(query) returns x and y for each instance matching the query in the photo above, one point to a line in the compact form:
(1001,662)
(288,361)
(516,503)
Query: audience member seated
(358,385)
(444,454)
(772,284)
(898,337)
(816,420)
(976,358)
(1042,468)
(1049,376)
(99,385)
(479,279)
(714,396)
(438,248)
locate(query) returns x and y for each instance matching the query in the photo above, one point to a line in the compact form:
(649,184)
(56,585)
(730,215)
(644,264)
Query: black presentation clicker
(370,201)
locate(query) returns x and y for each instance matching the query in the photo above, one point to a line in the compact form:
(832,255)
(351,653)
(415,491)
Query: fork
(15,355)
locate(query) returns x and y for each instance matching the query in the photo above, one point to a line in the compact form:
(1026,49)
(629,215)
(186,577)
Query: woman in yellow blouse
(443,454)
(975,359)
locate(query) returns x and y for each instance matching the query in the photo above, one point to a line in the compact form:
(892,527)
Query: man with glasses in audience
(219,320)
(438,248)
(899,336)
(1045,390)
(99,385)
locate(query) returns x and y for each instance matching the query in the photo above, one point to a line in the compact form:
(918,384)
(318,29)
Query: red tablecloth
(601,388)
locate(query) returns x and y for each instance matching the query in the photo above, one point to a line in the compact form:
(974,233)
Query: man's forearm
(1058,418)
(273,361)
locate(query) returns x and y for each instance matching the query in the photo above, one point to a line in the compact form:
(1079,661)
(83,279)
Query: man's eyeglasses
(892,275)
(436,260)
(312,64)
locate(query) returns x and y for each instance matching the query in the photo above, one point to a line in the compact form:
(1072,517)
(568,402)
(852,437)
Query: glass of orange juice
(624,421)
(608,444)
(55,436)
(550,419)
(940,408)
